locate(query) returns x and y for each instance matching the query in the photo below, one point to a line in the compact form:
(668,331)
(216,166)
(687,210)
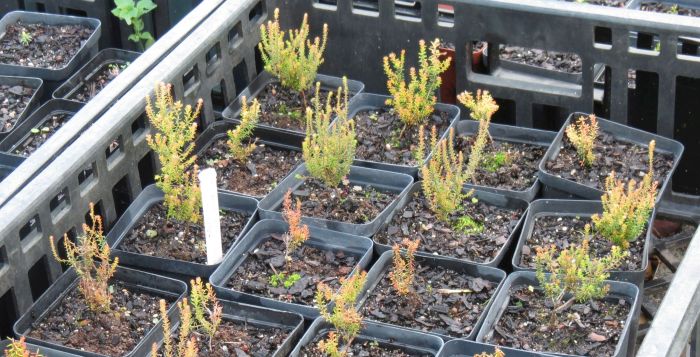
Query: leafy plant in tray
(132,12)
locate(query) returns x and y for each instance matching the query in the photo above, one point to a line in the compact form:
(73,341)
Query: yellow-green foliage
(444,178)
(187,345)
(176,129)
(236,137)
(496,353)
(294,60)
(404,269)
(207,310)
(626,208)
(329,152)
(345,318)
(482,108)
(415,101)
(90,259)
(575,272)
(18,348)
(582,135)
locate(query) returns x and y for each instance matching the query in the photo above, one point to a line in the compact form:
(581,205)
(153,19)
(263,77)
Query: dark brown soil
(610,3)
(284,108)
(13,101)
(172,241)
(426,308)
(517,173)
(551,60)
(235,338)
(40,134)
(527,324)
(72,324)
(50,47)
(654,6)
(416,220)
(380,137)
(348,203)
(93,84)
(312,264)
(266,167)
(360,347)
(565,231)
(626,159)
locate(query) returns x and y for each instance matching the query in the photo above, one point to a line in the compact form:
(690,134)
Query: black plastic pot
(381,180)
(620,132)
(44,351)
(52,76)
(104,58)
(134,279)
(465,348)
(512,134)
(575,208)
(495,199)
(217,131)
(370,101)
(412,341)
(8,163)
(618,290)
(23,130)
(661,243)
(35,83)
(385,264)
(147,198)
(331,83)
(361,247)
(257,317)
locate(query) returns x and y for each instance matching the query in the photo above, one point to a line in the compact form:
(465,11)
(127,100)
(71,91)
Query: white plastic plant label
(212,222)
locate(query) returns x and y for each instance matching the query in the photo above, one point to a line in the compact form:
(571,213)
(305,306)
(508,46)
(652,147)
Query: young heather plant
(482,107)
(626,208)
(328,152)
(249,117)
(574,273)
(83,256)
(186,346)
(403,272)
(415,101)
(298,233)
(176,128)
(18,348)
(346,320)
(582,135)
(207,310)
(496,353)
(294,60)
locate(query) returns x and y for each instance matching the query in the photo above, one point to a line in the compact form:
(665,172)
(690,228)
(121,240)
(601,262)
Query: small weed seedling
(574,274)
(18,348)
(415,101)
(236,137)
(187,345)
(176,129)
(131,12)
(294,60)
(282,279)
(482,107)
(346,320)
(298,233)
(25,38)
(83,256)
(329,152)
(497,352)
(496,160)
(582,135)
(626,208)
(403,273)
(115,68)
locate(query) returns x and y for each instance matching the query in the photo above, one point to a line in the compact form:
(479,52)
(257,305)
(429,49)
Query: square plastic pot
(412,341)
(369,101)
(618,290)
(257,317)
(385,264)
(465,348)
(576,208)
(619,132)
(511,134)
(396,183)
(661,243)
(23,130)
(104,58)
(322,239)
(134,279)
(8,163)
(87,50)
(143,202)
(28,82)
(44,351)
(494,199)
(258,84)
